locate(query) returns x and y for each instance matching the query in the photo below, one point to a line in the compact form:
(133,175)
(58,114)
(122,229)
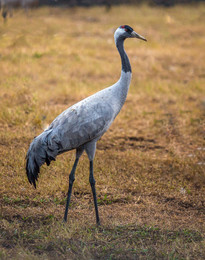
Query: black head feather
(127,28)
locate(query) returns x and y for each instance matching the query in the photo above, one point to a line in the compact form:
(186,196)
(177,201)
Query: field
(149,166)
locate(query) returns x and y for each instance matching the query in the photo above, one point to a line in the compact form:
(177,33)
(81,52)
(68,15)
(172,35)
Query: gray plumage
(81,125)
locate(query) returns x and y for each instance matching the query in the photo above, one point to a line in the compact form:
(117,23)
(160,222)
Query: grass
(149,167)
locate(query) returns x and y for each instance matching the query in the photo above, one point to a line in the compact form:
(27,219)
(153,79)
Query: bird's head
(125,31)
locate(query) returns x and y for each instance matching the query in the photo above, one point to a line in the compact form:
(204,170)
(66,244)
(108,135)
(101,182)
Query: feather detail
(37,155)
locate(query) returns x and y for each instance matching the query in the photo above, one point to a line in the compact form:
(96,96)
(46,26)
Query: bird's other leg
(11,12)
(92,184)
(4,14)
(71,180)
(90,150)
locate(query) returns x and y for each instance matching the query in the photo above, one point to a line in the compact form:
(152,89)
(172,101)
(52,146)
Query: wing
(79,124)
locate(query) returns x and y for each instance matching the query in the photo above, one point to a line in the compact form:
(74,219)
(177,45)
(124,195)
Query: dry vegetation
(149,166)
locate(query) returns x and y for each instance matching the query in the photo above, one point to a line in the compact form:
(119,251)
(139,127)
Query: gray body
(81,125)
(87,120)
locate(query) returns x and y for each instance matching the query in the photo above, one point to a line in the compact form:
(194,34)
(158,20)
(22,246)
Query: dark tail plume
(38,153)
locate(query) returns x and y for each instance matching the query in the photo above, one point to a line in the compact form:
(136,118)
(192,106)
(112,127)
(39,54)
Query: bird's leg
(92,184)
(71,180)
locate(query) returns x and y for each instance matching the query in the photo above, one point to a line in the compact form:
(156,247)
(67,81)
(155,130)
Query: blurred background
(107,3)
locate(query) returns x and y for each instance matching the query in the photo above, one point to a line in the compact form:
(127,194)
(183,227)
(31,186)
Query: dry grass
(149,167)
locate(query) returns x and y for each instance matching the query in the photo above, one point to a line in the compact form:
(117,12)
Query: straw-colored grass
(149,167)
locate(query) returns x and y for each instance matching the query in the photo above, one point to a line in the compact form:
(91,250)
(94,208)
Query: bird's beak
(136,35)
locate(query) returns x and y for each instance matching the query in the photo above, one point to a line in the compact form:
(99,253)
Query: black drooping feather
(37,155)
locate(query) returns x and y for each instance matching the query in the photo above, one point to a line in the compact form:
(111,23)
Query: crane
(8,6)
(81,125)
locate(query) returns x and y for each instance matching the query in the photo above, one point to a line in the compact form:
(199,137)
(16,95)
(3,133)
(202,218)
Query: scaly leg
(92,184)
(71,180)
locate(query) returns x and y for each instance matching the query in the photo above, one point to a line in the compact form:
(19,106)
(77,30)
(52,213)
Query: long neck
(124,59)
(123,84)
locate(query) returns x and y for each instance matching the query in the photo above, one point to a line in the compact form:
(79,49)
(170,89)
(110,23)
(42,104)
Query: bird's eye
(126,28)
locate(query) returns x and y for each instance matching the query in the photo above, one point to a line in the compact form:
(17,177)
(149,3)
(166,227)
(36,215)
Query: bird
(81,125)
(8,6)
